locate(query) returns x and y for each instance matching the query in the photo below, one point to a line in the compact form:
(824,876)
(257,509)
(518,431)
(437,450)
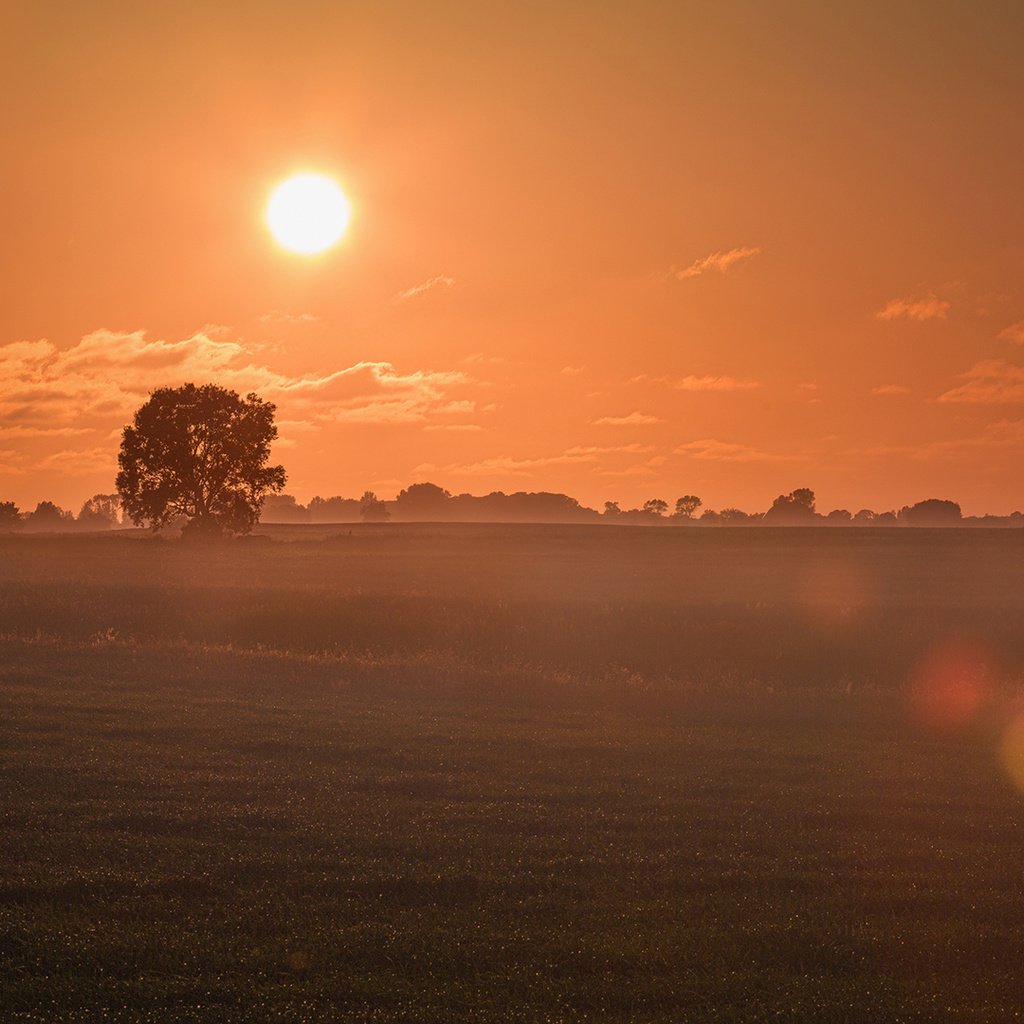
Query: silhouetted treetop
(793,509)
(10,516)
(422,496)
(931,512)
(687,505)
(372,509)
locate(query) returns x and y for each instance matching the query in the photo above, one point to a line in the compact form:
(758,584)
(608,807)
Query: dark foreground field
(513,774)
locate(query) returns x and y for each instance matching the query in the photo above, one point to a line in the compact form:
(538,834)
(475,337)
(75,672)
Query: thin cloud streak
(990,382)
(440,281)
(1014,333)
(930,308)
(710,382)
(634,419)
(712,450)
(717,261)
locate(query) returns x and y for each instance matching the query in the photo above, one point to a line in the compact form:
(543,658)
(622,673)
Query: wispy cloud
(718,261)
(502,465)
(278,316)
(24,432)
(593,450)
(440,281)
(990,382)
(928,308)
(648,467)
(1015,333)
(467,428)
(79,463)
(634,419)
(890,389)
(713,450)
(999,438)
(715,383)
(508,466)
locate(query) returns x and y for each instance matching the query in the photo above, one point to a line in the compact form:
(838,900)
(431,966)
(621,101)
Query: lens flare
(949,685)
(1011,752)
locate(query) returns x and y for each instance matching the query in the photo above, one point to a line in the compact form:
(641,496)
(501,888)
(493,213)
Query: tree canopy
(198,453)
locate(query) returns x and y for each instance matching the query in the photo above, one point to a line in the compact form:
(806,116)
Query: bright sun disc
(308,213)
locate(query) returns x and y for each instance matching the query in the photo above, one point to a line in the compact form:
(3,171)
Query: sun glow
(308,214)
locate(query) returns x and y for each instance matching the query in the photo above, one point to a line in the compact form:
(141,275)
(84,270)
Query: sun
(308,213)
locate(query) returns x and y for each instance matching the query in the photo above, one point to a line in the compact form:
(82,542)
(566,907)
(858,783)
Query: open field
(520,774)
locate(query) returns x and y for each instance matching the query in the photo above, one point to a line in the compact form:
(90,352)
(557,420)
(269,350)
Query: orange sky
(618,250)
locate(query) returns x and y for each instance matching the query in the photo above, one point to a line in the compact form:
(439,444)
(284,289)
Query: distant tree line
(100,512)
(427,502)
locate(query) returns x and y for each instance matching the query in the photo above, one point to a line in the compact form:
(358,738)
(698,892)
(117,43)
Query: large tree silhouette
(199,453)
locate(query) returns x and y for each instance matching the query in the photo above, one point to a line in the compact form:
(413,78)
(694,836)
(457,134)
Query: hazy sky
(622,250)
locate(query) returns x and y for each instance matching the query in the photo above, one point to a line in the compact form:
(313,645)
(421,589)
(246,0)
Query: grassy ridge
(434,775)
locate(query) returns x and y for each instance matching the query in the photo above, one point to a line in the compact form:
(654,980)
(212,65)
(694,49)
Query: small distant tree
(334,510)
(932,512)
(733,516)
(865,517)
(100,512)
(48,516)
(283,508)
(611,509)
(793,509)
(655,507)
(422,502)
(199,453)
(372,509)
(686,506)
(839,517)
(10,516)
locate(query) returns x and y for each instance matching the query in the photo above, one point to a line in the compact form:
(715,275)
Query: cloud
(613,449)
(72,463)
(990,382)
(1001,436)
(646,468)
(634,419)
(1015,333)
(713,450)
(720,261)
(571,371)
(98,382)
(296,426)
(44,431)
(507,466)
(930,308)
(715,383)
(106,375)
(503,465)
(279,316)
(440,281)
(455,427)
(890,389)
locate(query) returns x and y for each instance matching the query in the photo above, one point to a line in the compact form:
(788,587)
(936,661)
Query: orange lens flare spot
(1011,752)
(949,686)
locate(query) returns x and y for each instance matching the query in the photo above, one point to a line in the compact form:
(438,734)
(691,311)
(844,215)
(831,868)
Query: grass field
(516,774)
